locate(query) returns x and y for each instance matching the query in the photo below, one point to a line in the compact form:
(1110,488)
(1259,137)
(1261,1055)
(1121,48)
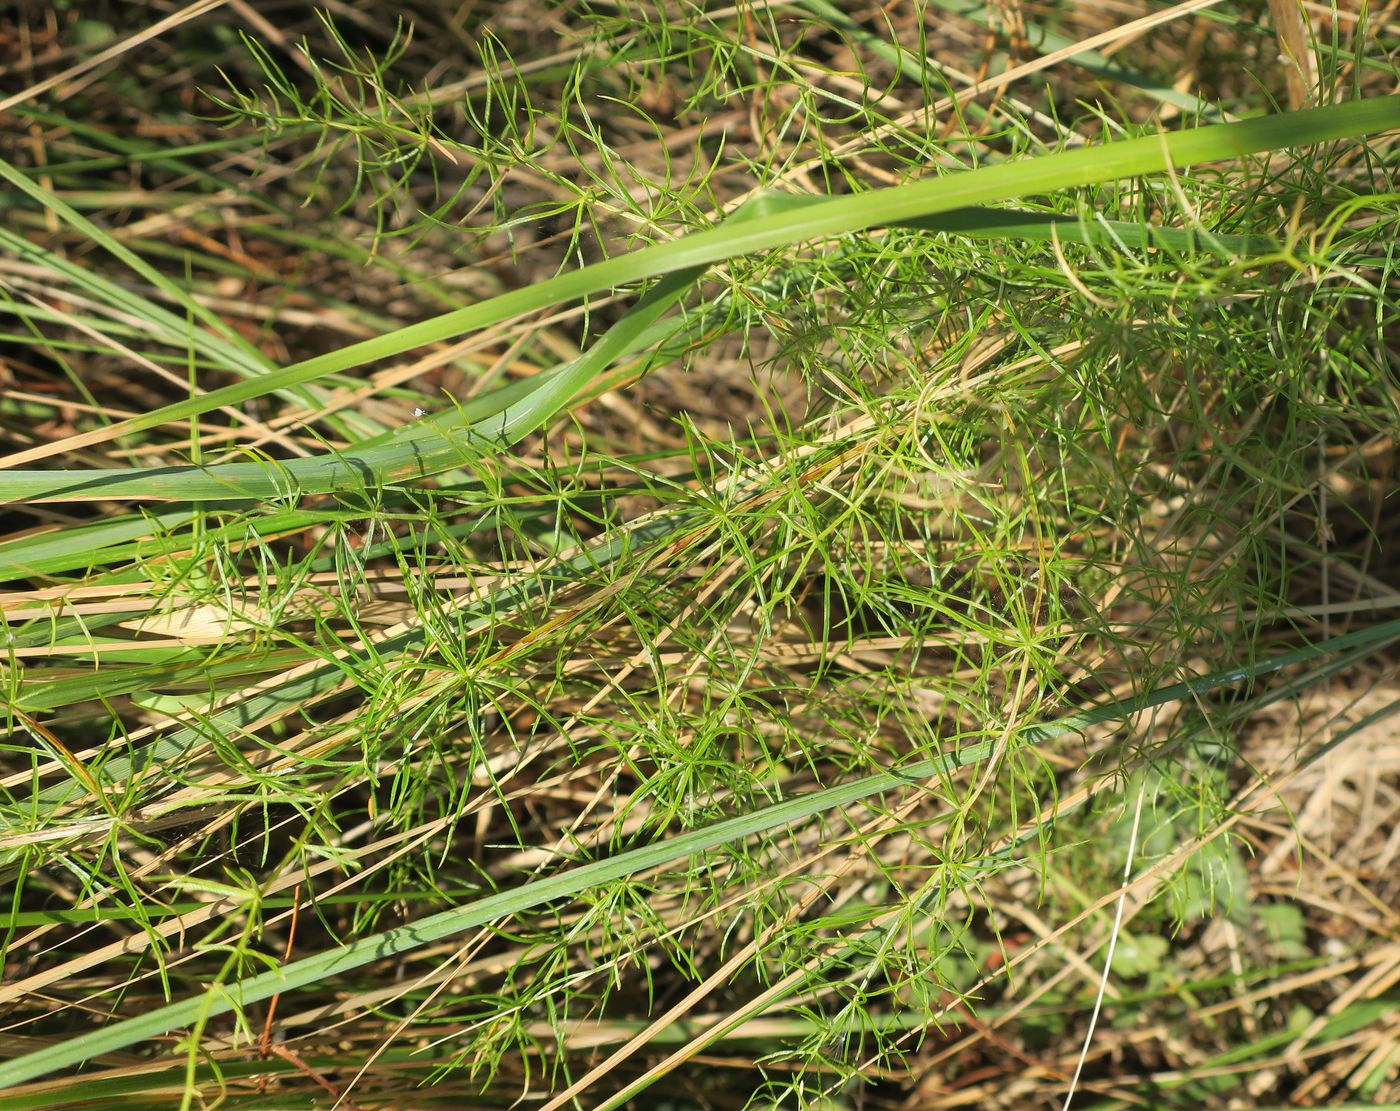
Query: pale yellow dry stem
(992,84)
(865,838)
(102,57)
(1295,52)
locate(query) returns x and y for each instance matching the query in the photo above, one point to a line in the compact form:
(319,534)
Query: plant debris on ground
(806,554)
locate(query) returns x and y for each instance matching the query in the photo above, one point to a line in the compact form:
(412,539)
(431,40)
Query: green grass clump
(637,555)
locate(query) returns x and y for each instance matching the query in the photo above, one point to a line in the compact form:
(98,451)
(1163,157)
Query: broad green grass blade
(160,324)
(833,217)
(403,939)
(414,451)
(83,546)
(941,204)
(449,440)
(449,923)
(246,354)
(321,681)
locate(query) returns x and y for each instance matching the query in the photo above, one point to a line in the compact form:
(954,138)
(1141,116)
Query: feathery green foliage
(683,535)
